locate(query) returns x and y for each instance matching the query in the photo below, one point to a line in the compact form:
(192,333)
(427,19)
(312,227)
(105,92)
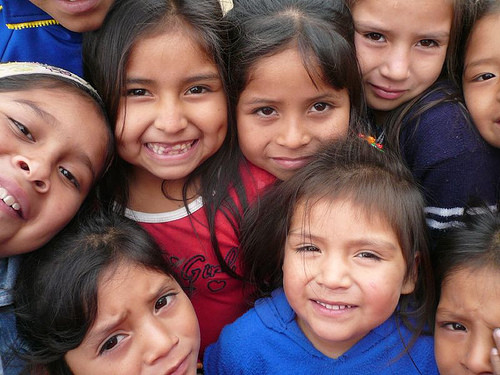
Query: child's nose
(397,64)
(158,340)
(477,358)
(334,273)
(293,133)
(170,116)
(37,171)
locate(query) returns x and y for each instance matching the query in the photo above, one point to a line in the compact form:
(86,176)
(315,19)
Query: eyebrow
(53,121)
(378,243)
(381,29)
(258,100)
(100,331)
(38,110)
(487,60)
(188,80)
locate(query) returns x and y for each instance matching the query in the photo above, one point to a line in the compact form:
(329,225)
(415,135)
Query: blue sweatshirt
(29,34)
(267,340)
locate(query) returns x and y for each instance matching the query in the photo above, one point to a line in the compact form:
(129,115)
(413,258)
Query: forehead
(267,73)
(484,39)
(119,282)
(431,14)
(473,294)
(170,42)
(320,210)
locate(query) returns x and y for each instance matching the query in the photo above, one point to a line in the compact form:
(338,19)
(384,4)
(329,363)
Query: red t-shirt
(217,298)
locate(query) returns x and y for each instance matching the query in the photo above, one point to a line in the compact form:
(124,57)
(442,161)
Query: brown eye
(320,107)
(137,92)
(375,36)
(428,43)
(266,111)
(164,301)
(197,90)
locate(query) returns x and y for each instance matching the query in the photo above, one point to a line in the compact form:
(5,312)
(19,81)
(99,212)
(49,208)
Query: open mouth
(10,201)
(166,149)
(334,307)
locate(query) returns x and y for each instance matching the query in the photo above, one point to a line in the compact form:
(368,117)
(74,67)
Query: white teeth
(334,307)
(9,200)
(174,150)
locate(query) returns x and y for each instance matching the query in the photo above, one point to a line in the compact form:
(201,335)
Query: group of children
(313,159)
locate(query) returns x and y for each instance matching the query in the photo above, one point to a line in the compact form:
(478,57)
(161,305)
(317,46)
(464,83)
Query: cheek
(429,72)
(445,353)
(475,102)
(366,59)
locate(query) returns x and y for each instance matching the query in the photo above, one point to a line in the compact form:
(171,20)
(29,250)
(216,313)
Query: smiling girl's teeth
(174,150)
(334,307)
(9,199)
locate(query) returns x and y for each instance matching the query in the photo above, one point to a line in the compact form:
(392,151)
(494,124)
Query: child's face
(173,114)
(283,116)
(343,273)
(481,79)
(468,311)
(76,15)
(52,147)
(145,325)
(401,47)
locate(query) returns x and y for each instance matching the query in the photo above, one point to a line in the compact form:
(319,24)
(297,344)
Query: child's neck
(380,117)
(148,193)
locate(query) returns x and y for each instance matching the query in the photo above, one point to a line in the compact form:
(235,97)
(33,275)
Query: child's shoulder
(251,174)
(440,127)
(387,348)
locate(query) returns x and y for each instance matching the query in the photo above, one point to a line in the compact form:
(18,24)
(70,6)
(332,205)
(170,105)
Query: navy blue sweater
(447,156)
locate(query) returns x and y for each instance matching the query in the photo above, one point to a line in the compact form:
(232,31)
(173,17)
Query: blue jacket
(8,273)
(29,34)
(267,340)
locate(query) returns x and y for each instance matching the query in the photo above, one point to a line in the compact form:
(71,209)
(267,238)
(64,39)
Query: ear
(411,279)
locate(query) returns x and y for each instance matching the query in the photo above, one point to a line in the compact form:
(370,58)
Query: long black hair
(105,54)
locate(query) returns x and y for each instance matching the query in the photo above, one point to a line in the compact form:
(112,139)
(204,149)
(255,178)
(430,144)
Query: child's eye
(484,77)
(368,255)
(196,90)
(307,248)
(320,107)
(110,343)
(137,92)
(377,37)
(69,176)
(164,301)
(23,129)
(454,326)
(428,43)
(265,111)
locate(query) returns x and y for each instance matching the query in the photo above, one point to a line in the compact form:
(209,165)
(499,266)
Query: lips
(386,92)
(77,6)
(291,163)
